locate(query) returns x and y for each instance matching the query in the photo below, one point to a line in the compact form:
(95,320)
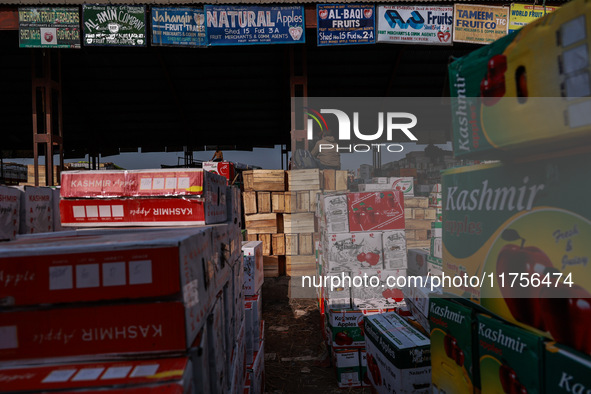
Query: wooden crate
(251,237)
(298,223)
(409,213)
(264,202)
(278,244)
(314,199)
(416,224)
(250,202)
(416,202)
(278,202)
(290,201)
(300,265)
(414,244)
(329,180)
(303,180)
(264,180)
(419,213)
(341,178)
(292,244)
(273,266)
(431,214)
(264,223)
(306,244)
(266,240)
(302,201)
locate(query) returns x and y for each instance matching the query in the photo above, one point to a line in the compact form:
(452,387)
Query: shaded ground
(296,358)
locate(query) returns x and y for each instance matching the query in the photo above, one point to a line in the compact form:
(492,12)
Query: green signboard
(114,25)
(49,27)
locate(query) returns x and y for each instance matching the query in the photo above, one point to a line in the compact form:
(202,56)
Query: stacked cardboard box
(142,198)
(418,216)
(223,168)
(95,302)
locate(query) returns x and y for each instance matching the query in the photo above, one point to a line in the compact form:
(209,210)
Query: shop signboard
(479,24)
(415,24)
(114,25)
(49,27)
(244,25)
(340,24)
(522,14)
(181,26)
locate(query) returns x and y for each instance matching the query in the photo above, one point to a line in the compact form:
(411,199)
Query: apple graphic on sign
(48,36)
(323,14)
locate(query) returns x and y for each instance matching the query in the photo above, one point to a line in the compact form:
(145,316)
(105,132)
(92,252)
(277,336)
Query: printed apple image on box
(394,245)
(223,168)
(398,355)
(454,358)
(566,370)
(417,261)
(524,226)
(378,293)
(376,211)
(511,359)
(348,367)
(36,209)
(353,251)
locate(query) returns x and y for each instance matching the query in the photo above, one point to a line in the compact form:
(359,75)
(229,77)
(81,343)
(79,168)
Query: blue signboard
(178,26)
(340,24)
(240,25)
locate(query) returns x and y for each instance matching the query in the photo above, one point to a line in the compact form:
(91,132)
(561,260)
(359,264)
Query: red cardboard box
(223,168)
(106,331)
(376,211)
(143,212)
(10,202)
(169,375)
(136,183)
(108,265)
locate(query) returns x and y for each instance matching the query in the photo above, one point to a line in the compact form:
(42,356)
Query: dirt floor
(296,357)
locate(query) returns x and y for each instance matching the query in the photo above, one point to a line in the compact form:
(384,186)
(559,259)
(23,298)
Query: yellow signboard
(522,14)
(479,24)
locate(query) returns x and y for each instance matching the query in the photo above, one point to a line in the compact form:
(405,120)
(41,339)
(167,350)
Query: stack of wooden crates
(279,207)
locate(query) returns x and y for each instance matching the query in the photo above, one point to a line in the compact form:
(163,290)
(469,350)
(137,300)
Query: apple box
(253,316)
(394,244)
(98,331)
(566,370)
(376,211)
(253,266)
(139,183)
(348,368)
(218,363)
(511,359)
(417,295)
(146,375)
(335,214)
(353,251)
(345,327)
(436,249)
(223,168)
(377,290)
(256,370)
(454,356)
(417,261)
(398,355)
(199,354)
(110,265)
(57,222)
(10,202)
(36,209)
(523,220)
(337,297)
(365,382)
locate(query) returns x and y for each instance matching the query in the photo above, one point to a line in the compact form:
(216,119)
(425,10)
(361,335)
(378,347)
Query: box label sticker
(61,278)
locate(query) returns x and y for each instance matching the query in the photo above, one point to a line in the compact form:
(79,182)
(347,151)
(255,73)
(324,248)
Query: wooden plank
(264,223)
(271,266)
(421,235)
(416,202)
(267,180)
(303,180)
(278,244)
(247,179)
(290,199)
(251,237)
(341,180)
(415,224)
(292,244)
(431,214)
(264,202)
(419,213)
(298,223)
(303,201)
(329,179)
(278,202)
(266,240)
(410,234)
(306,242)
(314,199)
(300,265)
(250,202)
(412,244)
(409,213)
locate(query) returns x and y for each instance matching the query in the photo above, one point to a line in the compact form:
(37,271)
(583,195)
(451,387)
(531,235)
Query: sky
(262,157)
